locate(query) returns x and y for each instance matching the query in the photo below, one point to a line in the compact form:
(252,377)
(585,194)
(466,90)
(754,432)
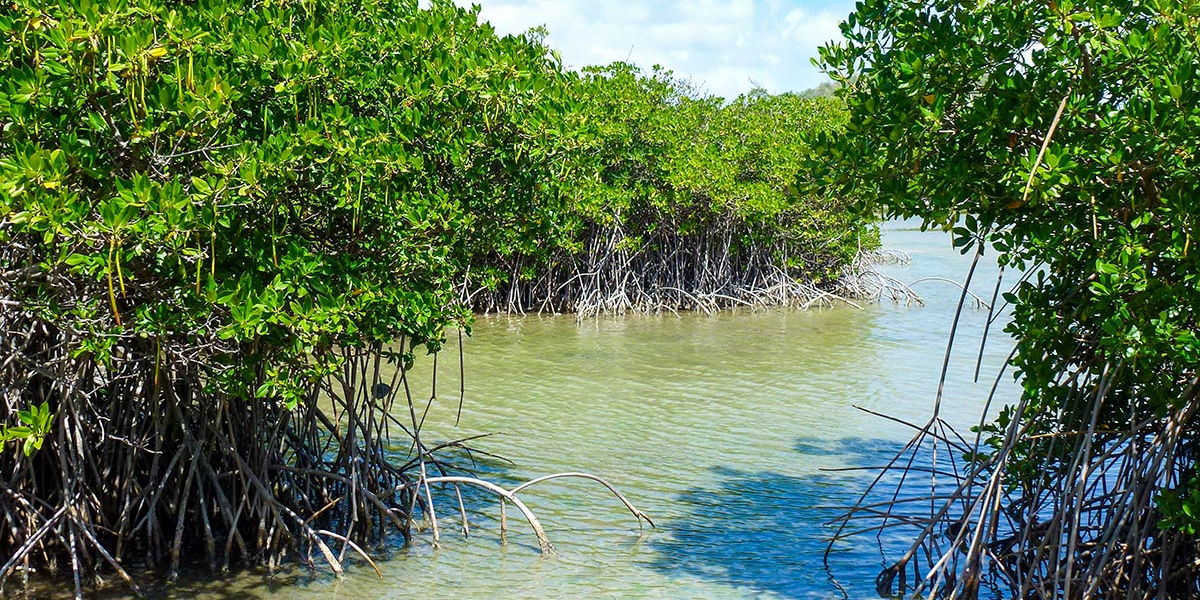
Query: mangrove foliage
(684,200)
(1061,136)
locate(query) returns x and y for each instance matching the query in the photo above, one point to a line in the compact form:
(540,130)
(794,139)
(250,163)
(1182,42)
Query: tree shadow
(768,532)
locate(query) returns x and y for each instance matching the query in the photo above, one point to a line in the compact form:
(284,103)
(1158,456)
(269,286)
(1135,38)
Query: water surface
(721,427)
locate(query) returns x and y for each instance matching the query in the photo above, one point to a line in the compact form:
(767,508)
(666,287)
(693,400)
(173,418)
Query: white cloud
(723,46)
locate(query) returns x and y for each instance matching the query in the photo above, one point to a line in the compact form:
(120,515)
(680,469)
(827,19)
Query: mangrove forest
(231,231)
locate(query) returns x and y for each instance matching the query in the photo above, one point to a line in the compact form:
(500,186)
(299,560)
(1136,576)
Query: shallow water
(720,427)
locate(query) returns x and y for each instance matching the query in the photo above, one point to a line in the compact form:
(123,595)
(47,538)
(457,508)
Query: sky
(725,47)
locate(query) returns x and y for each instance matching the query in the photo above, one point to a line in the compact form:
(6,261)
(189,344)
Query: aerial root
(629,505)
(1088,528)
(672,272)
(510,495)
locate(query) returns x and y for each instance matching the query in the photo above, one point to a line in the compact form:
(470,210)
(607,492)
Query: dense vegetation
(1061,135)
(684,201)
(216,221)
(221,220)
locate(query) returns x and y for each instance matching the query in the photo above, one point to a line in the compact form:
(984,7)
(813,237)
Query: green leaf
(19,432)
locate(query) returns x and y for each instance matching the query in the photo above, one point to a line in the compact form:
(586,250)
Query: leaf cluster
(1060,135)
(663,155)
(35,426)
(265,180)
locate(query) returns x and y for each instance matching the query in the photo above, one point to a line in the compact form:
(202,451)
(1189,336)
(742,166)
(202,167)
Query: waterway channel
(721,427)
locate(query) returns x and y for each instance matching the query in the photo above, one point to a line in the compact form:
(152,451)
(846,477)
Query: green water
(719,427)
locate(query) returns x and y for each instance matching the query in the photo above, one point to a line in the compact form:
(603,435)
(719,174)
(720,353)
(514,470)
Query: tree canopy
(683,200)
(302,177)
(1060,135)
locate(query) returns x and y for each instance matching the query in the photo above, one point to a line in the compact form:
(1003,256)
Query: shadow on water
(767,532)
